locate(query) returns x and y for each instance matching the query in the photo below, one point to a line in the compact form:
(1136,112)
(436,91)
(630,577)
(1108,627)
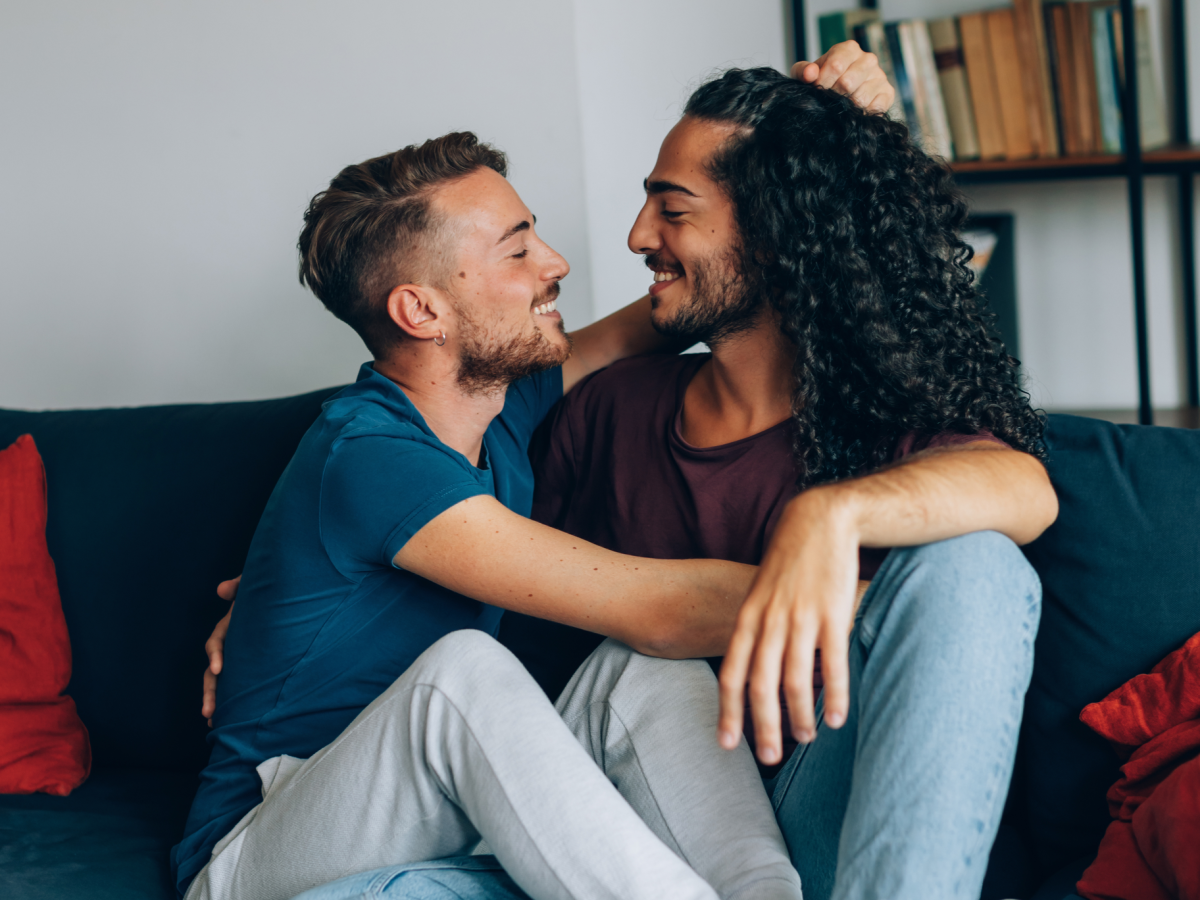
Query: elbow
(663,638)
(1040,512)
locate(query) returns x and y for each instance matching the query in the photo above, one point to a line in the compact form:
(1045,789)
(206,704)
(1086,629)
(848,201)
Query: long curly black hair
(852,232)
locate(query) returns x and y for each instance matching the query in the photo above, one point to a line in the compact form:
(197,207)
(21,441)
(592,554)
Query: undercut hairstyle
(852,233)
(375,227)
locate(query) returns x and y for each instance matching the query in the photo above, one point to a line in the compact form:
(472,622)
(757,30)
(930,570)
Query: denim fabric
(456,878)
(905,799)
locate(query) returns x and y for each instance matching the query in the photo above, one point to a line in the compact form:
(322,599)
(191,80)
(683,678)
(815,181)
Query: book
(1031,78)
(1112,137)
(871,37)
(981,80)
(1049,104)
(834,28)
(904,87)
(939,140)
(1085,76)
(1006,63)
(1152,112)
(1062,60)
(947,55)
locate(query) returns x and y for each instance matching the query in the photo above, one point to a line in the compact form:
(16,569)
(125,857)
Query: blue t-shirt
(324,622)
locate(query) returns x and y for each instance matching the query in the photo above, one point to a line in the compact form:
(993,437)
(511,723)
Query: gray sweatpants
(620,792)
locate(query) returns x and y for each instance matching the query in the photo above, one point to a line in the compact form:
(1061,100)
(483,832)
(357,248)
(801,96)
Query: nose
(644,237)
(556,267)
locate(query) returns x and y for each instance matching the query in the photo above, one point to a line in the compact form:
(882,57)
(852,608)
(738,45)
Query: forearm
(627,332)
(674,608)
(939,495)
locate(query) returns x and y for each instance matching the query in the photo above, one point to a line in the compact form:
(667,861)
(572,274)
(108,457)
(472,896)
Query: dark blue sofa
(151,507)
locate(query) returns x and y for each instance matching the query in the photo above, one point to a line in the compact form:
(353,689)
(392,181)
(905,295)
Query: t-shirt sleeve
(913,442)
(529,400)
(377,491)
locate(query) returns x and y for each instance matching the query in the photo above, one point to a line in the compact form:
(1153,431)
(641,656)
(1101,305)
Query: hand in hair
(847,69)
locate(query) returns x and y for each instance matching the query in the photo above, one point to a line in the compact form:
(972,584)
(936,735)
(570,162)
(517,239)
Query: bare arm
(804,595)
(627,332)
(671,608)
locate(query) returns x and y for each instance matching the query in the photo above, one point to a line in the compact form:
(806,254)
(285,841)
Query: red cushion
(43,744)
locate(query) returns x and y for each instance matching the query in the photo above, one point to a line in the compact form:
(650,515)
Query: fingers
(209,706)
(806,71)
(835,668)
(215,645)
(734,673)
(765,674)
(227,590)
(797,684)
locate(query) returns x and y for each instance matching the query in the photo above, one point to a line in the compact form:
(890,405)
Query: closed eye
(672,214)
(522,254)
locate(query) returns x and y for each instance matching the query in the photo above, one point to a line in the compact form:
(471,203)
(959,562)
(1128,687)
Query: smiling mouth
(545,308)
(662,276)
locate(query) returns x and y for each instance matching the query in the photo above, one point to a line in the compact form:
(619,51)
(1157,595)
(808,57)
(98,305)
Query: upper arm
(627,332)
(378,490)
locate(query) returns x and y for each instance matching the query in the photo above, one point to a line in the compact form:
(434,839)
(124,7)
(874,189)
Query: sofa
(149,508)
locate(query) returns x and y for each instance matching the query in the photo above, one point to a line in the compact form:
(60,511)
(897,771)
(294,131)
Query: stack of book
(1035,79)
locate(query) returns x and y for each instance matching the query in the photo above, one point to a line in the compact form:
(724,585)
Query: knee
(980,580)
(465,657)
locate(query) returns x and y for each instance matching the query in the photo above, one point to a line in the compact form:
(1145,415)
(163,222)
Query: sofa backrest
(149,508)
(1120,572)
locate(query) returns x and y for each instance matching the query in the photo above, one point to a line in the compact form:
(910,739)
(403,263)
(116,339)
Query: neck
(745,389)
(427,375)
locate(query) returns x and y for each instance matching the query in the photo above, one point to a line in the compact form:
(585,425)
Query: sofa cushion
(109,840)
(43,745)
(1120,572)
(149,508)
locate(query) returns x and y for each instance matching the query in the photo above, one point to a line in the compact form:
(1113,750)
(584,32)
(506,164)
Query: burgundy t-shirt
(612,467)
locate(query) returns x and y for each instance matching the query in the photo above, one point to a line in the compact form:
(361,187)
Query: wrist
(835,510)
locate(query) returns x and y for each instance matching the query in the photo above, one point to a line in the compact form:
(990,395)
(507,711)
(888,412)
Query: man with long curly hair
(855,400)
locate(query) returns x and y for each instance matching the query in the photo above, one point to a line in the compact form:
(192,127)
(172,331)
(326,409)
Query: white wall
(155,160)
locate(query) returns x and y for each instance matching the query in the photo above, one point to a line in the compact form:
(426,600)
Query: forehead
(482,202)
(686,150)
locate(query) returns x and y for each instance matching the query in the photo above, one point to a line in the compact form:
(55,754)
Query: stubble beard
(487,363)
(720,305)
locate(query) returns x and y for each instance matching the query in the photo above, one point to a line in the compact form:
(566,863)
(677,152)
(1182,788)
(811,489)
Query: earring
(442,342)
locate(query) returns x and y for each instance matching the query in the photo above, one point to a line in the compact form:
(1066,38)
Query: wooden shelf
(1167,161)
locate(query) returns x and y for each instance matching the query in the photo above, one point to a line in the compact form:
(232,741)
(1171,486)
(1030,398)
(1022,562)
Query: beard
(721,305)
(488,363)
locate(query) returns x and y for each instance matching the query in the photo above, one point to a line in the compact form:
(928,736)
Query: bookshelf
(1181,160)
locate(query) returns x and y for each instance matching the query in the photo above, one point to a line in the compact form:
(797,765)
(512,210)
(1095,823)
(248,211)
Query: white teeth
(545,308)
(665,276)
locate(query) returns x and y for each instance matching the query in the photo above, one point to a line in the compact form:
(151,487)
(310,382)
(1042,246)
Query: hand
(847,69)
(215,648)
(804,597)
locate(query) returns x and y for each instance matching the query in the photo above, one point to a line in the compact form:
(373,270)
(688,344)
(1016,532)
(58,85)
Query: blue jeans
(904,800)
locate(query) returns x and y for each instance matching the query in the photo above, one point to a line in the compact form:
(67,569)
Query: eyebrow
(519,227)
(665,187)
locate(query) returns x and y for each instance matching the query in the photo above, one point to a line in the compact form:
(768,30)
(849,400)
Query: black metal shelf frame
(1134,169)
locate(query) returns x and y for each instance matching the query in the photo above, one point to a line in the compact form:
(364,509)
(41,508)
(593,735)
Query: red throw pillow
(43,744)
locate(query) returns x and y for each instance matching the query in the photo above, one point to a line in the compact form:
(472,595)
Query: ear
(417,310)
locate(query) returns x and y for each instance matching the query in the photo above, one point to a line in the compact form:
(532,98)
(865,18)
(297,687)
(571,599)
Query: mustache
(551,293)
(656,261)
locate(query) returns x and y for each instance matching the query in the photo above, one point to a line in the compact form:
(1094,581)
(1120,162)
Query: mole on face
(462,274)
